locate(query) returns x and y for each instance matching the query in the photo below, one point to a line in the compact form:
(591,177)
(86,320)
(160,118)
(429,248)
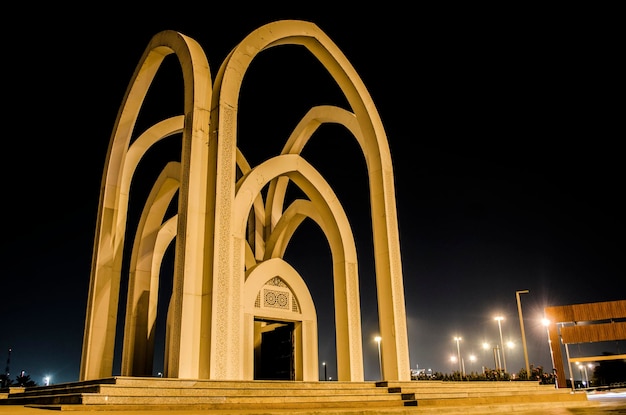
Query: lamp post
(325,373)
(583,379)
(378,339)
(569,361)
(496,355)
(499,320)
(583,369)
(521,323)
(546,323)
(458,353)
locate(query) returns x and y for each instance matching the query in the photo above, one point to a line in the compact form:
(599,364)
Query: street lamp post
(583,379)
(496,358)
(378,339)
(458,353)
(569,361)
(325,373)
(499,320)
(496,355)
(521,323)
(546,323)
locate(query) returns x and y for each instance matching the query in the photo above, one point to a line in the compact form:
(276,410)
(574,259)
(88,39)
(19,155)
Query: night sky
(504,128)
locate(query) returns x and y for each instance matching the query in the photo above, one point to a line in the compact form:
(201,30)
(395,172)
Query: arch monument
(234,296)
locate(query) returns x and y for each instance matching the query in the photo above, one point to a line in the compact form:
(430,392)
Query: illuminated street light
(46,381)
(458,353)
(325,373)
(499,320)
(521,323)
(378,339)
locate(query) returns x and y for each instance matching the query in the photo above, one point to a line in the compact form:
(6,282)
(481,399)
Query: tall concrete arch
(228,240)
(102,303)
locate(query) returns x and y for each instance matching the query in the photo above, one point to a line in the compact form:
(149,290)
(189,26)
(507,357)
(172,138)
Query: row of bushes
(537,374)
(605,373)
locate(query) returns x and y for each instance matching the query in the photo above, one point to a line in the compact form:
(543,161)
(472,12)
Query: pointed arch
(374,144)
(330,214)
(143,282)
(306,316)
(100,322)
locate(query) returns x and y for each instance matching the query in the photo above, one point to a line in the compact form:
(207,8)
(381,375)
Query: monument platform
(138,395)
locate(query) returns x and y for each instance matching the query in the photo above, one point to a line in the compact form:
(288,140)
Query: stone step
(112,390)
(160,393)
(261,399)
(179,393)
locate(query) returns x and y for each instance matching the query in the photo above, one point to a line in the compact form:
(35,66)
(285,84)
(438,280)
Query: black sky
(504,128)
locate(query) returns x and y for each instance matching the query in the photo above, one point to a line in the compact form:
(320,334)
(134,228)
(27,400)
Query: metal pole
(546,323)
(325,373)
(496,359)
(458,353)
(569,366)
(499,319)
(463,365)
(550,345)
(521,323)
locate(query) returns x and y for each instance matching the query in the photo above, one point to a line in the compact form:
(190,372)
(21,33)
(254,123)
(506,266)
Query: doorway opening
(274,350)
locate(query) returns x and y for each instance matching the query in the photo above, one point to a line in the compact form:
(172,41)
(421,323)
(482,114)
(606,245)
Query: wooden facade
(584,323)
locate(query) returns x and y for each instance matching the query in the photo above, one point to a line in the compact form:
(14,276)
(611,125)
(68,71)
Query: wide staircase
(250,397)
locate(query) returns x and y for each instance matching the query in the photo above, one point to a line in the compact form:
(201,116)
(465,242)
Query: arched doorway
(274,350)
